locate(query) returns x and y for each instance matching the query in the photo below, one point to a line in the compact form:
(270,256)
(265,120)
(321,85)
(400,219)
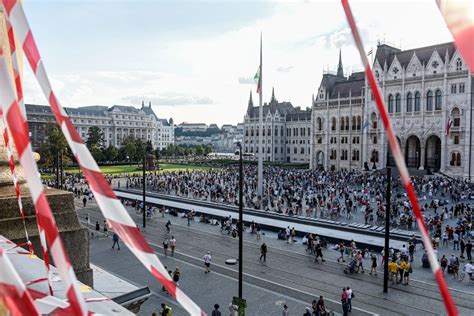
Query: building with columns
(286,132)
(425,89)
(116,122)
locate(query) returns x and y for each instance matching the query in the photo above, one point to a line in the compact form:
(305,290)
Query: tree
(208,149)
(95,137)
(128,149)
(110,153)
(55,144)
(96,152)
(140,149)
(199,150)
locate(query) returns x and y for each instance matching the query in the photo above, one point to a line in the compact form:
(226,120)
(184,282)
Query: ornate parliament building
(428,92)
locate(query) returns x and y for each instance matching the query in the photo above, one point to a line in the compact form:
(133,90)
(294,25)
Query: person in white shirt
(469,268)
(207,261)
(233,309)
(172,244)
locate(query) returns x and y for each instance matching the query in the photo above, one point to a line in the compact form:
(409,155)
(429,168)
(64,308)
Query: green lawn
(131,169)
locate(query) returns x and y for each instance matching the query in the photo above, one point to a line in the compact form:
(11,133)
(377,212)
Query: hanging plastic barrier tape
(114,212)
(459,16)
(16,122)
(402,168)
(13,291)
(19,94)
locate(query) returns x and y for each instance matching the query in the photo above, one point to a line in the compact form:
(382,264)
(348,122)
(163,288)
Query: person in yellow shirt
(406,276)
(402,268)
(393,267)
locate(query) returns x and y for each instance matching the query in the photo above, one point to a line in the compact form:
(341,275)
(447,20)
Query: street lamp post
(239,301)
(144,188)
(387,224)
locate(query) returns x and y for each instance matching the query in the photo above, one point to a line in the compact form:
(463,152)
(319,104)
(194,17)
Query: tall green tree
(95,137)
(56,143)
(110,153)
(128,149)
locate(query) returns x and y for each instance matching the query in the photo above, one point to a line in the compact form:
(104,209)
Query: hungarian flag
(257,79)
(449,123)
(459,16)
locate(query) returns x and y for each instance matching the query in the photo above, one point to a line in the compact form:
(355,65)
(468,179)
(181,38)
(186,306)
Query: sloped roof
(149,111)
(124,108)
(342,88)
(299,116)
(36,108)
(386,52)
(283,108)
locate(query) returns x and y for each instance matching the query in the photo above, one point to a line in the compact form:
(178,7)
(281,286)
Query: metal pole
(241,219)
(144,188)
(261,150)
(387,228)
(470,130)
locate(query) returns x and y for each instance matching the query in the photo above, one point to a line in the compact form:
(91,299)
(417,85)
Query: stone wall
(75,237)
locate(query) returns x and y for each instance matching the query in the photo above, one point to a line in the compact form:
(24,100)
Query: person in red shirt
(345,302)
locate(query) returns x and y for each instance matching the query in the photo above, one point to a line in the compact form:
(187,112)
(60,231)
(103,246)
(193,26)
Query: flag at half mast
(257,79)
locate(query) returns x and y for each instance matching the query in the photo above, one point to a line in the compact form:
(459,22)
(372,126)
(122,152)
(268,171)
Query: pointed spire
(149,104)
(143,104)
(340,70)
(273,95)
(250,105)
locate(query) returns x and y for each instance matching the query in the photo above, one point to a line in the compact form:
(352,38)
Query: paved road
(289,271)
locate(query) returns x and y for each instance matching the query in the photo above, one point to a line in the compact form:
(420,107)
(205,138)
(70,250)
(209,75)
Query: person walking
(115,238)
(168,227)
(233,309)
(106,231)
(345,302)
(176,276)
(165,246)
(257,229)
(165,310)
(319,252)
(284,312)
(97,228)
(411,251)
(341,251)
(216,311)
(189,216)
(172,245)
(263,252)
(463,248)
(350,296)
(393,267)
(84,201)
(373,264)
(287,234)
(207,262)
(455,241)
(469,250)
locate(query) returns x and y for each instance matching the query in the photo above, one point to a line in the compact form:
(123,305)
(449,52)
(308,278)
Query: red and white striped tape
(400,161)
(19,130)
(19,94)
(115,213)
(459,16)
(12,290)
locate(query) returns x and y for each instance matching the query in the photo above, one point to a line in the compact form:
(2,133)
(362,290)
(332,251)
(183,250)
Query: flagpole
(260,132)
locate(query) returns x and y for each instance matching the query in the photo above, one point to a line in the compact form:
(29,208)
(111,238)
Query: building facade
(286,132)
(425,90)
(117,123)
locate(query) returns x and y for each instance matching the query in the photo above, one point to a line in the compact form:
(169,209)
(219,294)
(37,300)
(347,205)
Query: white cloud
(299,41)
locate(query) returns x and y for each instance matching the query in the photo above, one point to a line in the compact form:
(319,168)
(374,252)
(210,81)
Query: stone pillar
(422,156)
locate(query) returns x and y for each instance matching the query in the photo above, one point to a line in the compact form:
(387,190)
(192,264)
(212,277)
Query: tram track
(286,277)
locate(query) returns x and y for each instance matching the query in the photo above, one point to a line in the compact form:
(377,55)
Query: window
(417,102)
(373,118)
(295,150)
(355,155)
(458,64)
(409,102)
(276,130)
(453,88)
(359,123)
(438,101)
(456,114)
(302,150)
(456,140)
(390,103)
(461,88)
(354,123)
(398,103)
(377,75)
(319,123)
(333,124)
(455,159)
(429,101)
(375,140)
(375,156)
(347,123)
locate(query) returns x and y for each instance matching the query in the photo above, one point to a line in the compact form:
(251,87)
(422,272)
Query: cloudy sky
(195,60)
